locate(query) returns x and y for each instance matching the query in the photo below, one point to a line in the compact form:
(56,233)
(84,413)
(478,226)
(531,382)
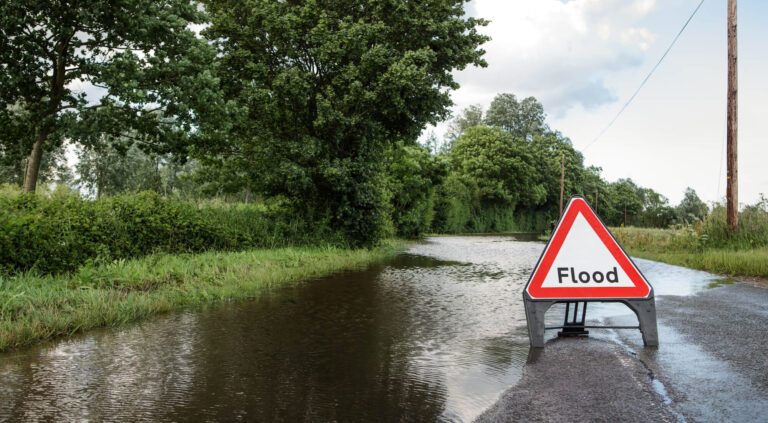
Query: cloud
(558,51)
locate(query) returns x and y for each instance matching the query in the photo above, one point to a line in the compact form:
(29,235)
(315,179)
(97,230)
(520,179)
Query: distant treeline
(504,171)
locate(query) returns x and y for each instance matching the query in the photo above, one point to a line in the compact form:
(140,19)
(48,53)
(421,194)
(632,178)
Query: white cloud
(559,52)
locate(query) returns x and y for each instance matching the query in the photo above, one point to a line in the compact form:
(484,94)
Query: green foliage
(709,244)
(691,208)
(142,53)
(53,166)
(104,170)
(412,174)
(521,119)
(63,231)
(753,227)
(712,233)
(453,205)
(621,204)
(752,262)
(325,88)
(469,117)
(501,165)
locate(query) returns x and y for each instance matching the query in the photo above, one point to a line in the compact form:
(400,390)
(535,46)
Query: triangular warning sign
(583,260)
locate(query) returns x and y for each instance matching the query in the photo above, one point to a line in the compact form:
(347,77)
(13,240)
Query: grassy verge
(687,247)
(35,308)
(736,263)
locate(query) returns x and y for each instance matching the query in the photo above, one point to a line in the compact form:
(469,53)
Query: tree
(522,119)
(621,205)
(412,175)
(141,54)
(691,208)
(53,166)
(656,211)
(548,150)
(593,183)
(469,117)
(324,87)
(500,165)
(102,169)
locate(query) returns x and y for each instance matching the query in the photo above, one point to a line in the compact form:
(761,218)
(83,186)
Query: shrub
(753,227)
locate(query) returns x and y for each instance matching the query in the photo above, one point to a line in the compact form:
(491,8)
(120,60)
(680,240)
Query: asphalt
(711,365)
(581,379)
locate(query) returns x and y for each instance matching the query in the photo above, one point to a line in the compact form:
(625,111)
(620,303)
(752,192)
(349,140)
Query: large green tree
(500,165)
(550,151)
(324,87)
(522,119)
(145,64)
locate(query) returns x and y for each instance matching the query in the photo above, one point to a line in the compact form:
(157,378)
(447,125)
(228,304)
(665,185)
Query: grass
(34,308)
(737,263)
(691,247)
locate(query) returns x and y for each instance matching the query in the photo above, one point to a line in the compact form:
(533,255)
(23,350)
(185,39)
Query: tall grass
(36,307)
(708,245)
(746,263)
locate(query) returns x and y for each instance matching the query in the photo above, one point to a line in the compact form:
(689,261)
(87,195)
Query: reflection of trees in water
(125,375)
(328,350)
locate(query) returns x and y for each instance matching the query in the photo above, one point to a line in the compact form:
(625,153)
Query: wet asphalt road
(711,366)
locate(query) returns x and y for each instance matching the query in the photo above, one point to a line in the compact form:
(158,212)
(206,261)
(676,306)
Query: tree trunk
(99,179)
(33,164)
(247,195)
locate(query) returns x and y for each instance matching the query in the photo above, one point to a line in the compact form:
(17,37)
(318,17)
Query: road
(711,365)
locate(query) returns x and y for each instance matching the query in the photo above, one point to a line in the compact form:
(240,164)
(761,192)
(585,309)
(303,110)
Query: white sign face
(582,260)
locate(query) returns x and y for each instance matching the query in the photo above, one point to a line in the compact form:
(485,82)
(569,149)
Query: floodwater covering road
(437,334)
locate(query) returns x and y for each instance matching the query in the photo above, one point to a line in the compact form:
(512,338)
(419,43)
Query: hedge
(53,234)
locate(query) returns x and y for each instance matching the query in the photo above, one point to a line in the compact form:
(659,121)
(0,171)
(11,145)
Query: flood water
(437,334)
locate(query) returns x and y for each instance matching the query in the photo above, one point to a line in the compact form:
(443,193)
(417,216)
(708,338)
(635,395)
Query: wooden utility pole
(625,212)
(562,181)
(596,204)
(732,183)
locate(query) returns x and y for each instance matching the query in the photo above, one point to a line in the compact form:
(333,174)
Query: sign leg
(534,313)
(646,315)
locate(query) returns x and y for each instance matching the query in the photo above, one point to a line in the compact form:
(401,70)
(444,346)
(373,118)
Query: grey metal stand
(644,309)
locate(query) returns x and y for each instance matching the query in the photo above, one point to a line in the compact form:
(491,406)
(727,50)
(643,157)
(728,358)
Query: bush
(60,232)
(753,227)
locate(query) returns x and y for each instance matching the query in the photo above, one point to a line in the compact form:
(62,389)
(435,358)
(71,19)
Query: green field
(35,308)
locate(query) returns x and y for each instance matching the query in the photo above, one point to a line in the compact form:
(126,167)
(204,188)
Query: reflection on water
(437,334)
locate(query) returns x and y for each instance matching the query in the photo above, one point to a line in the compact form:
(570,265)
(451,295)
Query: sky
(583,59)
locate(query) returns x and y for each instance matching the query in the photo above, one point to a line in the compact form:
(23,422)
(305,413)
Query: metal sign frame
(535,308)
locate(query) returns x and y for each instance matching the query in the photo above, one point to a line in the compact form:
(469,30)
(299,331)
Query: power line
(646,78)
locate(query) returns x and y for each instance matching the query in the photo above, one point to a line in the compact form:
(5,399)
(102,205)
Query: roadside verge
(35,308)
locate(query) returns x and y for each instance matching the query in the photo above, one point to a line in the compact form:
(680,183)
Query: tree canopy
(325,86)
(142,60)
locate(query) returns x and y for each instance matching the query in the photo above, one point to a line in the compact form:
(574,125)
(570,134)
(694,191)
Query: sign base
(644,309)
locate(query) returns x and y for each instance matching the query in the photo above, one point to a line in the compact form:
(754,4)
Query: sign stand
(645,310)
(575,327)
(582,262)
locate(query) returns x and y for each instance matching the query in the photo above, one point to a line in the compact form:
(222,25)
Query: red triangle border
(578,205)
